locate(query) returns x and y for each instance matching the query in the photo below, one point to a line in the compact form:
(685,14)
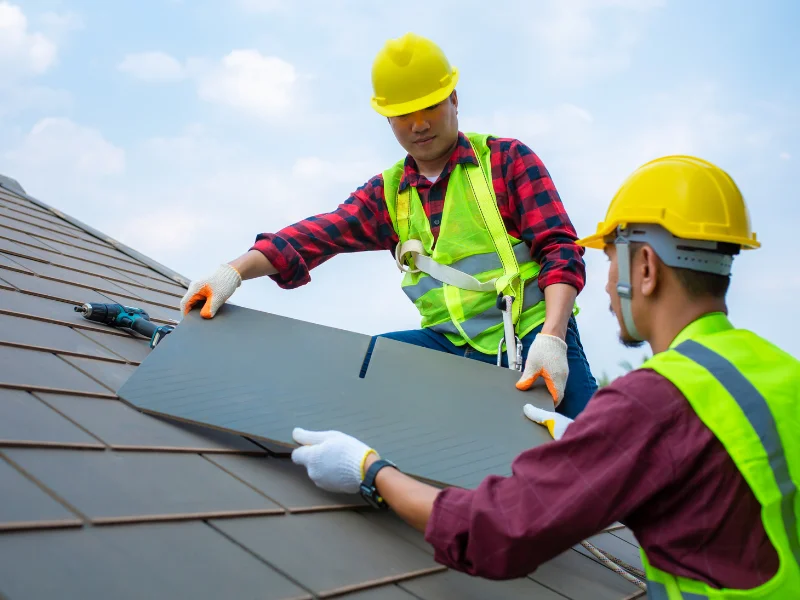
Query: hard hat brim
(598,239)
(412,106)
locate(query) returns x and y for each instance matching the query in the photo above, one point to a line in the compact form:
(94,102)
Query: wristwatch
(368,489)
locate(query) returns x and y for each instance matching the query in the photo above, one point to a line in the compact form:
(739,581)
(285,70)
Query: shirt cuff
(292,269)
(448,522)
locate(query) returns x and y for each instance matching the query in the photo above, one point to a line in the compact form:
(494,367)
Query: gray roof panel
(47,335)
(28,369)
(330,552)
(53,289)
(45,308)
(123,428)
(15,249)
(576,576)
(132,349)
(140,485)
(425,437)
(452,584)
(616,546)
(24,503)
(24,420)
(74,277)
(386,592)
(284,482)
(110,375)
(160,561)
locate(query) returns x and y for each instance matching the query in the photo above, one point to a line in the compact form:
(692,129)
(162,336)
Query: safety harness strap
(443,273)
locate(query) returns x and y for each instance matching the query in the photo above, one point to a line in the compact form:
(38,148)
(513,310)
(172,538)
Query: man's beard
(630,342)
(624,339)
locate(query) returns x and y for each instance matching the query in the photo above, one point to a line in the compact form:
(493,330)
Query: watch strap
(368,489)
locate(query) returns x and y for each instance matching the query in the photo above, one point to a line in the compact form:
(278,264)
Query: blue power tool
(125,317)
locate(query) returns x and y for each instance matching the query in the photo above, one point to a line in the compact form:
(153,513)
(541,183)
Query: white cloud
(582,40)
(59,146)
(58,25)
(152,67)
(246,80)
(785,156)
(22,52)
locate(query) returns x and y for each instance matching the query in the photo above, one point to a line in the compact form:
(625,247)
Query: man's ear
(648,265)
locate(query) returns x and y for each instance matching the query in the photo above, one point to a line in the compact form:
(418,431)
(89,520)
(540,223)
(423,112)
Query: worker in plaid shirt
(427,207)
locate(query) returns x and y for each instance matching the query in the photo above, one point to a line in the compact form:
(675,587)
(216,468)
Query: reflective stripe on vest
(657,591)
(755,408)
(492,316)
(472,240)
(747,392)
(477,263)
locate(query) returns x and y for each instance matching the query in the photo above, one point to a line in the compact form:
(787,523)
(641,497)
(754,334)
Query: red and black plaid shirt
(529,204)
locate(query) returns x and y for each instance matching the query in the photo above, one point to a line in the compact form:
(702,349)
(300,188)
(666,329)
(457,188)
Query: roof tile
(132,349)
(25,503)
(445,586)
(32,332)
(140,486)
(160,561)
(284,482)
(124,428)
(110,375)
(29,369)
(24,420)
(58,290)
(74,277)
(329,552)
(576,576)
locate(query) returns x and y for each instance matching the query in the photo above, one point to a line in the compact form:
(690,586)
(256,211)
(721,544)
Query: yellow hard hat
(410,73)
(689,197)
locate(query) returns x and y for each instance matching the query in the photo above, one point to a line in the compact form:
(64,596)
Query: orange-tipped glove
(212,291)
(547,358)
(556,424)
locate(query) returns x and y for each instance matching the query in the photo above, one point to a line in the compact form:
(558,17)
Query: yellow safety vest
(472,239)
(747,392)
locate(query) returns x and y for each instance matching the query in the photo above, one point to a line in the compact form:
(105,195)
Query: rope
(612,563)
(630,569)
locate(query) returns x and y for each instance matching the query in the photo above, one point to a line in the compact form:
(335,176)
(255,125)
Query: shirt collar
(708,323)
(463,154)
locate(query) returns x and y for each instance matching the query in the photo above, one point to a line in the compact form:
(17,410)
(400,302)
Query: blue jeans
(581,384)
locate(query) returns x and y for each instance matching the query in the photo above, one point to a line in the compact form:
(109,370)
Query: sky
(184,128)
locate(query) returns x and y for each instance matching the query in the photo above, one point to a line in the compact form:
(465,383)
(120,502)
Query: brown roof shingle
(103,501)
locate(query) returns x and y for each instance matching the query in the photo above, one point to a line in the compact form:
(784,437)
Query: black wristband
(368,490)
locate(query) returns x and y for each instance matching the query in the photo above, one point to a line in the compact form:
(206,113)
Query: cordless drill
(125,317)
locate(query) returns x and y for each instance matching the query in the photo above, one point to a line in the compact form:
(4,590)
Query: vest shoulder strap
(391,183)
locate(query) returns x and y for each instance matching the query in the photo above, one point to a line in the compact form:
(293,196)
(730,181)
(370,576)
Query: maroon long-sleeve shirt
(637,454)
(529,204)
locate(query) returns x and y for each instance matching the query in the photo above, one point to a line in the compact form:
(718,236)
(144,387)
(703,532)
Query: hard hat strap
(624,289)
(695,255)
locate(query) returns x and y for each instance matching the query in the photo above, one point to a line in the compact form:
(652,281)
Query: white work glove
(556,424)
(547,358)
(212,291)
(334,460)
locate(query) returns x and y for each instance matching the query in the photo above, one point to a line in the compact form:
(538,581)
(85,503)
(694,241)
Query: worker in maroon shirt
(697,451)
(486,248)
